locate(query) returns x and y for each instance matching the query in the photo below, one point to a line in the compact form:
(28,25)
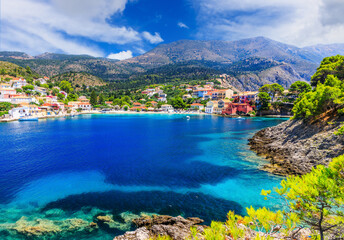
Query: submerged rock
(295,146)
(48,228)
(178,228)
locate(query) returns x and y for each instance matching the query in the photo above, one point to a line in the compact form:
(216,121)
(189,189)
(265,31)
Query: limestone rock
(295,146)
(178,228)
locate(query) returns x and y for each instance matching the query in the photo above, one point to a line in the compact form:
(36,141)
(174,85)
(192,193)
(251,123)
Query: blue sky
(121,29)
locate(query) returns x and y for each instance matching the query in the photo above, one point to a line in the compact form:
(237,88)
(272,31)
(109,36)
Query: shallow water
(163,164)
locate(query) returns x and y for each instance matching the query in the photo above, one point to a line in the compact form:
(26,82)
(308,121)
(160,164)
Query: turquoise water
(123,165)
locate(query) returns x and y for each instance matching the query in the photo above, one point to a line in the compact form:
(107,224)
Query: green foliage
(340,131)
(317,197)
(264,100)
(325,97)
(93,99)
(66,86)
(101,99)
(28,87)
(178,103)
(314,200)
(300,87)
(60,96)
(5,106)
(55,91)
(272,89)
(329,66)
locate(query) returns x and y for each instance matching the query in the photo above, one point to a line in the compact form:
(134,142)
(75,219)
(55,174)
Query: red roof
(153,102)
(47,105)
(196,104)
(137,104)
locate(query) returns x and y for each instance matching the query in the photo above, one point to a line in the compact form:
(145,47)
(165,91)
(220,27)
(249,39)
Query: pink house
(236,108)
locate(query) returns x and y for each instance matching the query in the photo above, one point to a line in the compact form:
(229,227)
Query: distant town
(42,98)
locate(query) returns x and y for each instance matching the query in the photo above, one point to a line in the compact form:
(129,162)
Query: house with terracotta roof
(222,94)
(154,103)
(197,106)
(18,82)
(138,108)
(137,104)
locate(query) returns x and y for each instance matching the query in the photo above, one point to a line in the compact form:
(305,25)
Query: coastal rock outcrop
(295,146)
(178,228)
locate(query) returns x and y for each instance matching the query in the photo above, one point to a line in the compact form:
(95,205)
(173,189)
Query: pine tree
(93,99)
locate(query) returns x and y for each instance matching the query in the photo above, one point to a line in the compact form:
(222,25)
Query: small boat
(28,119)
(187,117)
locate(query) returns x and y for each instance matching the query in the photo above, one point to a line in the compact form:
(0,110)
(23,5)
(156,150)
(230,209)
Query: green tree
(264,101)
(66,86)
(317,197)
(101,99)
(60,96)
(28,87)
(299,87)
(93,99)
(55,91)
(272,89)
(327,96)
(178,102)
(28,70)
(38,83)
(329,66)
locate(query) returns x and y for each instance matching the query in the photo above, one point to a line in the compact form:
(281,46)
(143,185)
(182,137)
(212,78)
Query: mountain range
(250,63)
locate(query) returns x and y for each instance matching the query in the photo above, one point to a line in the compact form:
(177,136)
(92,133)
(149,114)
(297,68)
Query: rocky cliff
(178,228)
(295,146)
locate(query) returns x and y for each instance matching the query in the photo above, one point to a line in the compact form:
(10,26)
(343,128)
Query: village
(24,101)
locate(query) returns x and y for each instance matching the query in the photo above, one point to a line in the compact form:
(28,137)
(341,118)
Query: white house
(5,85)
(210,107)
(18,82)
(41,90)
(23,99)
(19,112)
(166,108)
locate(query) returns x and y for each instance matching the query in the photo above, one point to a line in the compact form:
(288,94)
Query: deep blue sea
(126,165)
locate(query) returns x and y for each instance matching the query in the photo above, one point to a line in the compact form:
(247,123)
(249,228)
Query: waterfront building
(238,108)
(211,105)
(166,108)
(197,106)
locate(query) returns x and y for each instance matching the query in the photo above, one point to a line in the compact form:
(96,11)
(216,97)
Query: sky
(120,29)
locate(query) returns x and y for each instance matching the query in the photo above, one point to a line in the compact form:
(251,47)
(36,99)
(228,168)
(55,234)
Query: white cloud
(295,22)
(154,39)
(121,55)
(182,25)
(37,26)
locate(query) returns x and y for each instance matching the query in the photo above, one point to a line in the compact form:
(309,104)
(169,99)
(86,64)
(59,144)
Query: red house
(236,108)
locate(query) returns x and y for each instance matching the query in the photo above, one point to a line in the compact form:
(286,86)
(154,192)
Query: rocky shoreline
(178,228)
(296,146)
